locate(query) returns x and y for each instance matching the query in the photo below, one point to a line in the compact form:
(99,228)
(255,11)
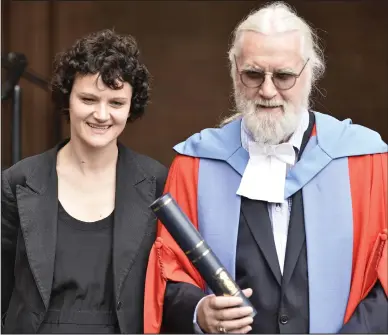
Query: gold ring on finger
(222,330)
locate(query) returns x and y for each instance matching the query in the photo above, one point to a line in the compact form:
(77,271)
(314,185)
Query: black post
(16,63)
(16,124)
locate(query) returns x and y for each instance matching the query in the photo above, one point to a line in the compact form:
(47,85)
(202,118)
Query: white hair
(279,17)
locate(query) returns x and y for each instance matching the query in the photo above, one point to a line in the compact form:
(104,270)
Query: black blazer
(29,209)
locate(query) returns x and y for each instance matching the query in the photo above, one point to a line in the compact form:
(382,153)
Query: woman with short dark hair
(76,227)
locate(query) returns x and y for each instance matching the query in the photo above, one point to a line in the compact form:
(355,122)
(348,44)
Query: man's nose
(267,89)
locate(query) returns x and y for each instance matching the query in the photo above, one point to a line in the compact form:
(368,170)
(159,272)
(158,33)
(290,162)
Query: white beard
(268,127)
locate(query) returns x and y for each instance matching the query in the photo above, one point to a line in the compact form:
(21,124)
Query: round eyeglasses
(282,80)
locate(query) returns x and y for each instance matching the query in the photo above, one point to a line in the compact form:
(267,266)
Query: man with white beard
(293,202)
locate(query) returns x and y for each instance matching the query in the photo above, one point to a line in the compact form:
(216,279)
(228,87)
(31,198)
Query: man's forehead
(277,46)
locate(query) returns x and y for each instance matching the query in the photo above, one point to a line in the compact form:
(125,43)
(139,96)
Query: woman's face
(98,114)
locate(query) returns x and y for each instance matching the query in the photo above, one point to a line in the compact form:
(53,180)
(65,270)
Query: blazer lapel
(257,217)
(135,191)
(296,237)
(38,211)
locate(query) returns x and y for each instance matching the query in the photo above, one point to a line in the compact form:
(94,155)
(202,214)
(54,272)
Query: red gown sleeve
(167,261)
(369,189)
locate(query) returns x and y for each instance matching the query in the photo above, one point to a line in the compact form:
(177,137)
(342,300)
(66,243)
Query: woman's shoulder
(17,173)
(148,164)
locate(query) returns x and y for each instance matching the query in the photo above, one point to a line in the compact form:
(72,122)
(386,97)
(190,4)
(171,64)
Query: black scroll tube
(196,249)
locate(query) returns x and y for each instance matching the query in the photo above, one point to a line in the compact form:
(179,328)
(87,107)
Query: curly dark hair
(114,57)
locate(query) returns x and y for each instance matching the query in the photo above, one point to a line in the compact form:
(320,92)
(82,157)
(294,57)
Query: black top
(82,298)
